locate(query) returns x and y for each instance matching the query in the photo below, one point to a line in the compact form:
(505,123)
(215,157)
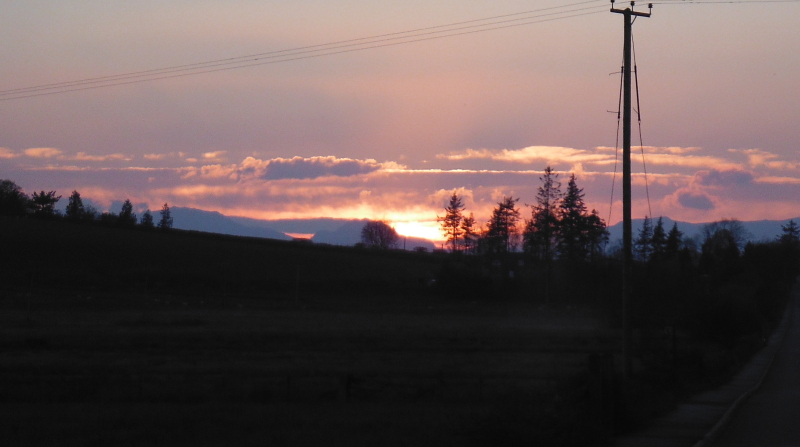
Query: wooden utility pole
(627,230)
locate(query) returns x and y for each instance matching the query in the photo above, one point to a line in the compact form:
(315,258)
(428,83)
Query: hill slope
(60,255)
(214,222)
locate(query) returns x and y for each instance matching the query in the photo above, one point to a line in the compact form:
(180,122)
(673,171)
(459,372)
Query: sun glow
(424,229)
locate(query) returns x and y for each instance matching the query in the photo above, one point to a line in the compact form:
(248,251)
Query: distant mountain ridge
(332,231)
(214,222)
(350,234)
(325,230)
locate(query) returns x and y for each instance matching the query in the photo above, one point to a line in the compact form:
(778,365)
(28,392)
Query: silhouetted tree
(90,214)
(469,233)
(75,208)
(126,215)
(791,234)
(378,234)
(109,218)
(674,241)
(541,231)
(658,241)
(165,223)
(147,220)
(13,200)
(44,203)
(451,222)
(790,243)
(720,251)
(572,225)
(737,231)
(501,230)
(596,235)
(643,245)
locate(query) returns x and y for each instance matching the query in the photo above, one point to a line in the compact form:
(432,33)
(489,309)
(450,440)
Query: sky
(390,132)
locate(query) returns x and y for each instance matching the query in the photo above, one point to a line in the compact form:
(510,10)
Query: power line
(313,51)
(730,2)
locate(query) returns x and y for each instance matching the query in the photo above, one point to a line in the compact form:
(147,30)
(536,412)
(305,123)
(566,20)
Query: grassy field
(134,369)
(125,337)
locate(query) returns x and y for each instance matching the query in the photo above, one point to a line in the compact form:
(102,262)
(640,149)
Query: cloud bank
(683,183)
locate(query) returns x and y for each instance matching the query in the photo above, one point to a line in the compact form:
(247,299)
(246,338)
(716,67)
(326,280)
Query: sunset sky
(389,132)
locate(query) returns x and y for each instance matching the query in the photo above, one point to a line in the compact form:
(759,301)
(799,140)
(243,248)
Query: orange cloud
(779,180)
(676,150)
(42,152)
(761,158)
(532,154)
(7,153)
(82,156)
(661,156)
(216,155)
(690,161)
(442,196)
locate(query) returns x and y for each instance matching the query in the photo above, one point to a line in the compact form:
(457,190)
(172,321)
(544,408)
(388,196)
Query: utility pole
(627,229)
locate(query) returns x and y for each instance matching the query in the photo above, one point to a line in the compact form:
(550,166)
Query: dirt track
(770,416)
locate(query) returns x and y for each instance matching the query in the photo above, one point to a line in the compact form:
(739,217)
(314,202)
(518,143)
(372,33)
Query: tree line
(559,226)
(15,202)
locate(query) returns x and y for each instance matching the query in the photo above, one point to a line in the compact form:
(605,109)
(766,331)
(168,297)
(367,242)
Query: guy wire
(639,116)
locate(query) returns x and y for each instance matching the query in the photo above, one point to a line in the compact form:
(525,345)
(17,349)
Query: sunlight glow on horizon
(422,229)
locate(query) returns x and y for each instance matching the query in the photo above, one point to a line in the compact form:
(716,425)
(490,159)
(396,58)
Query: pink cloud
(720,178)
(7,153)
(219,171)
(309,167)
(696,200)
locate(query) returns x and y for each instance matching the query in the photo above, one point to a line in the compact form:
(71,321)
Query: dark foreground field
(113,336)
(133,370)
(127,336)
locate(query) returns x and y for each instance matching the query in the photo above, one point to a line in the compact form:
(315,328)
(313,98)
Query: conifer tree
(126,215)
(658,241)
(75,206)
(501,231)
(643,245)
(469,233)
(165,223)
(147,220)
(451,222)
(572,225)
(541,230)
(674,239)
(791,233)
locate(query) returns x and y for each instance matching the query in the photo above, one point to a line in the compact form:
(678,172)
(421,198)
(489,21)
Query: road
(771,415)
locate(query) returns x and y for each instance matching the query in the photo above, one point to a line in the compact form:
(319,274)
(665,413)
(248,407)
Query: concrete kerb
(780,333)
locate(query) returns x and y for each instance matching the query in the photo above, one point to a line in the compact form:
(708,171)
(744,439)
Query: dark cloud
(695,200)
(313,167)
(729,177)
